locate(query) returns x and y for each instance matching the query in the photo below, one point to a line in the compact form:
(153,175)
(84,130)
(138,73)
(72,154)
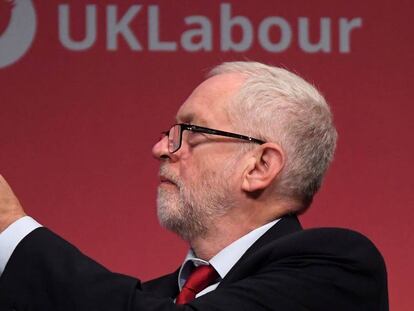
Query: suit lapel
(167,286)
(253,256)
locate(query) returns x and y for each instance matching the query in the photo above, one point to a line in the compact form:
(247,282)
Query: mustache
(167,174)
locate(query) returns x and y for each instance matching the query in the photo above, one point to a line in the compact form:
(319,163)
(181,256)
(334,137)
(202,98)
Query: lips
(167,177)
(165,180)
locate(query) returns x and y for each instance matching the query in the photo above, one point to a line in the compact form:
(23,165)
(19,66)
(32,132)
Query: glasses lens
(174,138)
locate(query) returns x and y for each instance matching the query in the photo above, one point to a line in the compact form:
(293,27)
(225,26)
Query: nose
(160,149)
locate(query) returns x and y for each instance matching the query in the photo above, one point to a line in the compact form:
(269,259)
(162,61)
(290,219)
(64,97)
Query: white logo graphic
(19,34)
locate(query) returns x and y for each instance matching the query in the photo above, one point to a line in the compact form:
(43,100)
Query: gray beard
(191,211)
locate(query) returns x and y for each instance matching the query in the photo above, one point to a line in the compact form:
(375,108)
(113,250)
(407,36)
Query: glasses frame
(206,130)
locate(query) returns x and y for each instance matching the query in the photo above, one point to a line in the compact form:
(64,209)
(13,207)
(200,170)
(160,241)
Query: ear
(263,167)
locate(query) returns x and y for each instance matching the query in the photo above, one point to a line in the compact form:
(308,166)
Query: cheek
(188,169)
(193,168)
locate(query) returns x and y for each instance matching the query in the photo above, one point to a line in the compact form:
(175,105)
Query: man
(248,152)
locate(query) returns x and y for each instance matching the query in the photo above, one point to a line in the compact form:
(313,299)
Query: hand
(10,208)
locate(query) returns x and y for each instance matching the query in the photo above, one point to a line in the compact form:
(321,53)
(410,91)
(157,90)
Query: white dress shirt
(12,236)
(224,260)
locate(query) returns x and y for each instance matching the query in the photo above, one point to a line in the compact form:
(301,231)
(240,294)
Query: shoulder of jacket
(332,243)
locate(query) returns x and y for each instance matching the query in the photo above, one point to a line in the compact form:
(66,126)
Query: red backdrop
(84,96)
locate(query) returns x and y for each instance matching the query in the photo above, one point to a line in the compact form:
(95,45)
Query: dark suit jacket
(286,269)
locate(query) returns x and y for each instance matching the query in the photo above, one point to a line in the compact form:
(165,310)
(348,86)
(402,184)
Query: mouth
(164,180)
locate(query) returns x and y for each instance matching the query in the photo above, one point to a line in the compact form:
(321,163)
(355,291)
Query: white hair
(278,106)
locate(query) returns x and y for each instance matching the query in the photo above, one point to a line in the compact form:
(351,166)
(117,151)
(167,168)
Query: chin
(167,206)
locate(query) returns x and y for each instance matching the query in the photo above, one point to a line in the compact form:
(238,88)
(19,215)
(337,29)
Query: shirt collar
(224,260)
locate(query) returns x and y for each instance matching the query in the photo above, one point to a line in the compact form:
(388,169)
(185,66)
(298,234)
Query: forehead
(207,104)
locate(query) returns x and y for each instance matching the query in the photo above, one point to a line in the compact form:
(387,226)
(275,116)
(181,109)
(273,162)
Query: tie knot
(199,279)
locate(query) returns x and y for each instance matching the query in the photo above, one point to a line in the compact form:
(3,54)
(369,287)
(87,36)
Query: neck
(228,228)
(210,244)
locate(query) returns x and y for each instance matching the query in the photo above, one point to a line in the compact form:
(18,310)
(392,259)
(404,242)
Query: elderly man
(249,151)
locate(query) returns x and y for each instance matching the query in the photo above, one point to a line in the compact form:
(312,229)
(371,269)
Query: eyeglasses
(175,135)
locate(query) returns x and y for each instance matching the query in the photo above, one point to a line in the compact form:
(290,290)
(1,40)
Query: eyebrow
(190,118)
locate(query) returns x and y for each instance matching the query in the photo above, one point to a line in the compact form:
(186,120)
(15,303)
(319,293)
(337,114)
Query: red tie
(200,278)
